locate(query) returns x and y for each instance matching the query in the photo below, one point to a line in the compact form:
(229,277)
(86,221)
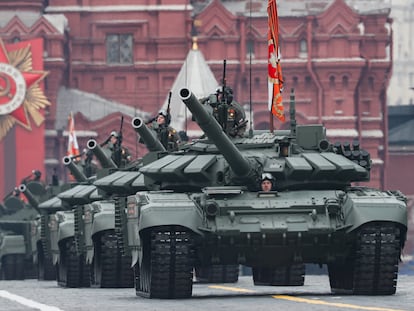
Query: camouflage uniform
(228,113)
(167,135)
(119,154)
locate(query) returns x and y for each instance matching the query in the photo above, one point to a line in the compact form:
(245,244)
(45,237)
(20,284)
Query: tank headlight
(211,209)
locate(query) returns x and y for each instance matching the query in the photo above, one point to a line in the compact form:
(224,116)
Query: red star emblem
(17,81)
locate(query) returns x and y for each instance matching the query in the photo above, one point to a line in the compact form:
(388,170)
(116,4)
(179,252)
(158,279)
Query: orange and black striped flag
(275,77)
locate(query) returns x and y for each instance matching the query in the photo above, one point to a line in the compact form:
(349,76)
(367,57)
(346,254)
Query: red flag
(275,77)
(73,147)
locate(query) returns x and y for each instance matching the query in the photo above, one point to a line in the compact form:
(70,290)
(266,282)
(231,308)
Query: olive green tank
(208,209)
(19,222)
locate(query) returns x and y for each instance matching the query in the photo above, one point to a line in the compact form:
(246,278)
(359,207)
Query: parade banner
(22,103)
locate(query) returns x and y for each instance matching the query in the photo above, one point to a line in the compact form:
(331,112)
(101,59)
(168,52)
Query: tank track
(78,224)
(110,268)
(291,275)
(372,269)
(217,274)
(30,269)
(46,271)
(72,269)
(121,224)
(12,267)
(167,264)
(44,228)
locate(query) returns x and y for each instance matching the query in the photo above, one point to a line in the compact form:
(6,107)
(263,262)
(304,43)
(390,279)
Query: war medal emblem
(20,94)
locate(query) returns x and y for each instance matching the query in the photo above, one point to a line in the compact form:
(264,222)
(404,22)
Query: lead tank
(208,210)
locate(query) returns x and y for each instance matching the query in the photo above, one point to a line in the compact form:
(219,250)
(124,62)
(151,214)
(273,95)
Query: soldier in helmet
(120,154)
(167,135)
(229,113)
(267,182)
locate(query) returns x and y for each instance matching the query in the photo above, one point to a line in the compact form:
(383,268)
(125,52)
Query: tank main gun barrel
(29,196)
(97,150)
(74,169)
(213,130)
(148,137)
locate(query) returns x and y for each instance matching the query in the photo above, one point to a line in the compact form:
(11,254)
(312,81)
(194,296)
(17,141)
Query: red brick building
(129,52)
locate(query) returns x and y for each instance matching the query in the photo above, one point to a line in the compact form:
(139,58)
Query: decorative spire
(195,44)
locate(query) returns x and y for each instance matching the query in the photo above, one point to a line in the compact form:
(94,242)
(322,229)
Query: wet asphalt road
(241,296)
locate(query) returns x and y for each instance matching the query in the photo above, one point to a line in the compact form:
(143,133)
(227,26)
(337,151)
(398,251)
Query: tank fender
(371,206)
(66,230)
(102,221)
(174,211)
(161,209)
(12,244)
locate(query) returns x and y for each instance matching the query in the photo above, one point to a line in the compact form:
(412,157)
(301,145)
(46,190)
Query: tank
(209,210)
(67,227)
(104,225)
(48,250)
(18,226)
(43,199)
(97,244)
(57,232)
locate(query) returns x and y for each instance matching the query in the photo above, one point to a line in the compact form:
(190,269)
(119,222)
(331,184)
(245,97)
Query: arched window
(371,83)
(345,81)
(295,81)
(308,81)
(250,47)
(331,81)
(303,48)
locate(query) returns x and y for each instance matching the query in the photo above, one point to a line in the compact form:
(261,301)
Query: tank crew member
(167,135)
(87,163)
(228,112)
(119,154)
(267,182)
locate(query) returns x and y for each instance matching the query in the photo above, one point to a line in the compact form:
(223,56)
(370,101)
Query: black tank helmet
(166,116)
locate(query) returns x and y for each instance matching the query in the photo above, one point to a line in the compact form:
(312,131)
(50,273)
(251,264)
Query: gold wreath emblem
(20,94)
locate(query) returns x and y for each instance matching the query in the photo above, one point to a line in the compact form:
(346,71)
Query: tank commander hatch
(267,182)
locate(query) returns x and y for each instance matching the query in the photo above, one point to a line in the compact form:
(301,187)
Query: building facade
(335,55)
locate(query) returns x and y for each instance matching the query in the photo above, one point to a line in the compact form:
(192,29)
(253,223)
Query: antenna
(292,111)
(250,75)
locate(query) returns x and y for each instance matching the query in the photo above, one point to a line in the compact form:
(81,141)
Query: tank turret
(240,165)
(102,156)
(147,136)
(74,169)
(13,204)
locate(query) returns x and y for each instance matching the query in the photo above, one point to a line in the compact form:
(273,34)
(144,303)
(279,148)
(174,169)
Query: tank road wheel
(110,268)
(167,264)
(72,270)
(291,275)
(373,267)
(217,274)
